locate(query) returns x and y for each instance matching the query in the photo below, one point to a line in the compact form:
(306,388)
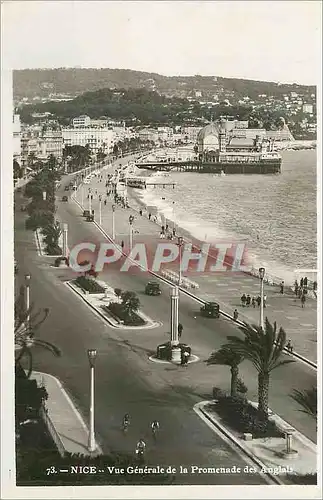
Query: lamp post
(131,219)
(180,242)
(261,276)
(27,281)
(100,209)
(65,244)
(113,222)
(90,204)
(82,195)
(91,444)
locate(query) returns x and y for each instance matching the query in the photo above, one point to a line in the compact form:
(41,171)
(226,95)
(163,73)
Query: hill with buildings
(70,82)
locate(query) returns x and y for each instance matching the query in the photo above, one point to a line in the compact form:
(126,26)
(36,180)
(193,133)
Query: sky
(265,40)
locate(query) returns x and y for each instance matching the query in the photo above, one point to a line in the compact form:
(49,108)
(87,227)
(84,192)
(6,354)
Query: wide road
(126,381)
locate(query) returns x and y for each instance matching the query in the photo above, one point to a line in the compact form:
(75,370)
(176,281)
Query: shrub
(239,414)
(241,386)
(118,292)
(121,313)
(218,393)
(88,284)
(58,261)
(53,249)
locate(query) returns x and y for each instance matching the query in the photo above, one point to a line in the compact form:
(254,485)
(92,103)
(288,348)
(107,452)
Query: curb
(162,361)
(106,319)
(68,398)
(199,407)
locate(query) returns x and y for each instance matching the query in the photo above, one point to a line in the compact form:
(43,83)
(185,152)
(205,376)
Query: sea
(275,216)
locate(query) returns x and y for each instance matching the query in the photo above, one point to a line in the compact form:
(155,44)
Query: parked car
(152,288)
(65,198)
(90,218)
(86,213)
(210,310)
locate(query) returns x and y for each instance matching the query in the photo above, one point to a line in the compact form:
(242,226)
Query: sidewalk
(64,422)
(225,288)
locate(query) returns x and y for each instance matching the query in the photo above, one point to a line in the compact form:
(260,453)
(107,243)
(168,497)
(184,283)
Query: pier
(241,167)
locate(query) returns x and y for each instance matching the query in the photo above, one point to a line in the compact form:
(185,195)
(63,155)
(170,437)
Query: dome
(210,129)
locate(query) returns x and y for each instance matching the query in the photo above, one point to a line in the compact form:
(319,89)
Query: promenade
(225,288)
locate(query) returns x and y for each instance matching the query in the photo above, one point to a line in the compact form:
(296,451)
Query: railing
(51,428)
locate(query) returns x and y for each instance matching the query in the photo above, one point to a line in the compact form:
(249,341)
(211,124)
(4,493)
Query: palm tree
(130,302)
(307,399)
(229,357)
(263,349)
(26,323)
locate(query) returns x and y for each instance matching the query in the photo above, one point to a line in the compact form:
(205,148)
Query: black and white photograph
(161,250)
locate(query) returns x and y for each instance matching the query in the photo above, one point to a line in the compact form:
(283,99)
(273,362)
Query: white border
(8,488)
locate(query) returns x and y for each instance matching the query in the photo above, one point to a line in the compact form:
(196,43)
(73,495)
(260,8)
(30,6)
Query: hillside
(74,81)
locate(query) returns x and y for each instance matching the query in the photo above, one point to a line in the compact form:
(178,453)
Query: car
(90,218)
(86,181)
(65,198)
(152,288)
(210,310)
(86,213)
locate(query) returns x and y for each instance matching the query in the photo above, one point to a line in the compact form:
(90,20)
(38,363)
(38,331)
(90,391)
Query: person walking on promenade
(301,283)
(303,300)
(289,345)
(140,212)
(122,245)
(243,300)
(300,292)
(235,315)
(105,202)
(314,286)
(149,216)
(296,287)
(248,300)
(253,302)
(305,282)
(282,287)
(258,300)
(174,232)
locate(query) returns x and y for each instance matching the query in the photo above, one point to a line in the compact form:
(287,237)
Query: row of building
(49,138)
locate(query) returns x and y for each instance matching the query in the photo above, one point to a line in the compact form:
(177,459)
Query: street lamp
(180,242)
(91,444)
(100,209)
(27,281)
(90,205)
(131,219)
(113,225)
(261,276)
(82,195)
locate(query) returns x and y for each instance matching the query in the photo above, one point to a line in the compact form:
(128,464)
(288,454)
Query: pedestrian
(166,228)
(140,212)
(149,216)
(180,330)
(289,345)
(253,302)
(296,288)
(314,286)
(303,300)
(163,229)
(248,300)
(243,300)
(258,300)
(122,244)
(91,196)
(186,356)
(301,283)
(282,287)
(305,282)
(300,292)
(105,202)
(174,232)
(235,315)
(265,300)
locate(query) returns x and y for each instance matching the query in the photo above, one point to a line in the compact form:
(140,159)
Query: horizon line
(164,75)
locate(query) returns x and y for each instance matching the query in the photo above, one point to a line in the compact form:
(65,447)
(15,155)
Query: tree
(130,302)
(264,349)
(228,357)
(26,324)
(307,399)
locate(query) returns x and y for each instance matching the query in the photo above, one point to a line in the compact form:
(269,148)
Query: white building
(16,138)
(96,138)
(308,108)
(42,143)
(81,121)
